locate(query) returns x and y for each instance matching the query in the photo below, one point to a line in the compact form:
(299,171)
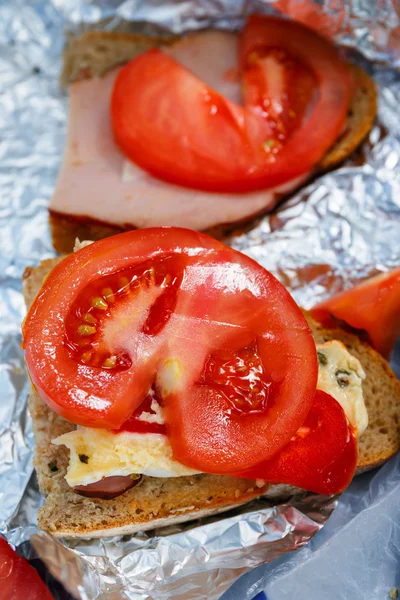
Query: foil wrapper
(341,228)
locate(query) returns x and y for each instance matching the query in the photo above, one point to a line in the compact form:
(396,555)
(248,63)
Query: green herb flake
(342,377)
(53,466)
(323,361)
(394,593)
(84,458)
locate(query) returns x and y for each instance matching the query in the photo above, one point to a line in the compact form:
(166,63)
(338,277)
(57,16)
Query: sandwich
(204,132)
(174,378)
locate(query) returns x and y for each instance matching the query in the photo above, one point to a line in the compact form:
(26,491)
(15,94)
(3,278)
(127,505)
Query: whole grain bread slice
(96,52)
(158,501)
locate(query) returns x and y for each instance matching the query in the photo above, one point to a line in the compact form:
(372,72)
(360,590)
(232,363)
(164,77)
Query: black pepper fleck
(322,359)
(84,458)
(53,466)
(342,377)
(36,70)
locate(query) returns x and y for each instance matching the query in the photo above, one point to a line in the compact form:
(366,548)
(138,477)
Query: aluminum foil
(339,229)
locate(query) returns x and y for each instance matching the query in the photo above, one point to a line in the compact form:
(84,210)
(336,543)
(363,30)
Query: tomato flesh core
(281,89)
(241,378)
(97,302)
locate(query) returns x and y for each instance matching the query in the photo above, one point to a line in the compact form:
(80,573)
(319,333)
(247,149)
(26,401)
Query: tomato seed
(108,294)
(88,318)
(99,303)
(86,356)
(110,362)
(86,330)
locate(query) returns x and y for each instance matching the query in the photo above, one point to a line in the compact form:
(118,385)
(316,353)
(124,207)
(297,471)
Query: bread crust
(157,501)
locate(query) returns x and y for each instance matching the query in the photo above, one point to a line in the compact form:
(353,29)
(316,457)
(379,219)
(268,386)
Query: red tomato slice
(228,349)
(179,129)
(321,457)
(135,423)
(372,306)
(19,581)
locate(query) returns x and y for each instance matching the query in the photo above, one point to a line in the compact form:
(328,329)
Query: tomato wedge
(321,457)
(222,340)
(173,125)
(373,306)
(19,581)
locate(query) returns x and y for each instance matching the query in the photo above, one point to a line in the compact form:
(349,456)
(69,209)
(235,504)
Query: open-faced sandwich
(202,132)
(174,377)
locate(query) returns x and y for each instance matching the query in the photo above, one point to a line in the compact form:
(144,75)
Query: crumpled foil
(339,229)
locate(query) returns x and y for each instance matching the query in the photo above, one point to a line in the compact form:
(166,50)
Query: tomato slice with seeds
(372,306)
(321,457)
(225,345)
(296,96)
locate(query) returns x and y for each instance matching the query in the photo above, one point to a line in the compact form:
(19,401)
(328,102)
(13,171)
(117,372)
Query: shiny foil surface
(341,228)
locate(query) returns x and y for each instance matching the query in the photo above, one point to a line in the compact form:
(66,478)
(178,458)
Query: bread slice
(95,53)
(381,390)
(158,501)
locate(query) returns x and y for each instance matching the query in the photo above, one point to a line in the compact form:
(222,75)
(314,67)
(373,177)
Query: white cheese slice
(340,374)
(106,454)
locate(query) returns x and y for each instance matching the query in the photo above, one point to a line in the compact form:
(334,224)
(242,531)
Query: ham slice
(97,182)
(108,488)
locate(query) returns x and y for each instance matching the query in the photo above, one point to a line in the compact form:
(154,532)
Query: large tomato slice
(373,306)
(321,457)
(297,92)
(19,581)
(228,349)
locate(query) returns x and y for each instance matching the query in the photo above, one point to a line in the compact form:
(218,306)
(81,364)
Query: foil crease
(341,228)
(200,562)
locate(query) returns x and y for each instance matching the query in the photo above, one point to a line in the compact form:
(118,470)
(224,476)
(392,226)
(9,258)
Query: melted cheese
(340,375)
(106,454)
(156,416)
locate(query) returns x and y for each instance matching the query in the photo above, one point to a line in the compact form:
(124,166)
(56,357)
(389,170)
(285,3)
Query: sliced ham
(97,182)
(108,488)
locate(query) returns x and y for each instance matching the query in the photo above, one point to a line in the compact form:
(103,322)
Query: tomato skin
(372,306)
(19,581)
(225,303)
(180,130)
(322,461)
